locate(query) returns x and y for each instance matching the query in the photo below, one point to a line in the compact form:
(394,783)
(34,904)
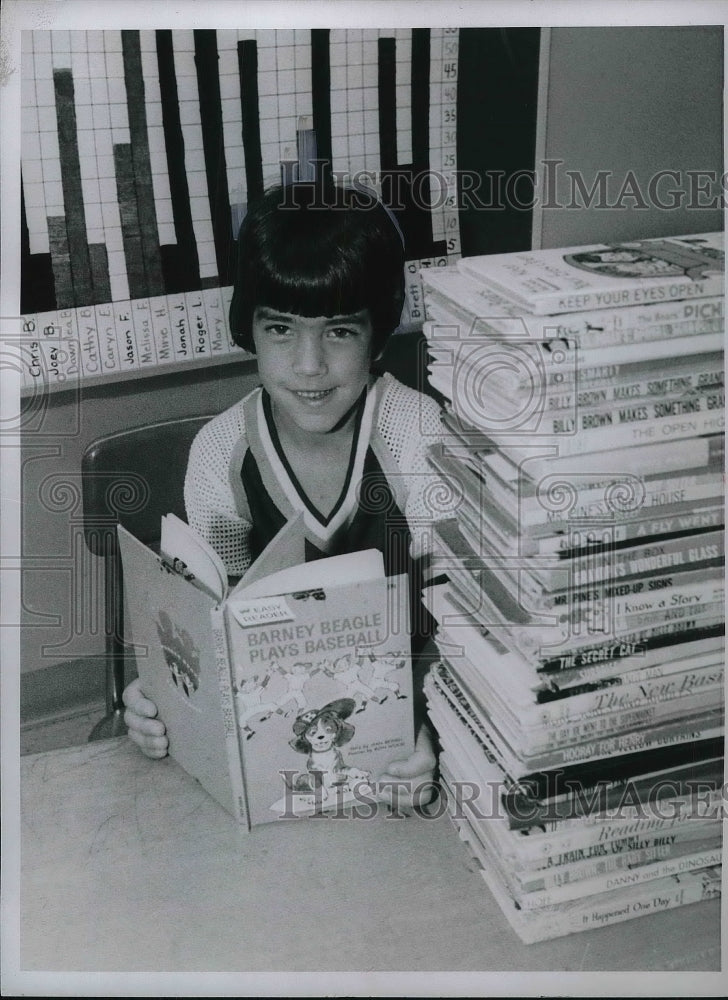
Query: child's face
(314,369)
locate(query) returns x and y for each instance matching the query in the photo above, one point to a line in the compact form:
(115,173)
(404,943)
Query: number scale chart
(141,150)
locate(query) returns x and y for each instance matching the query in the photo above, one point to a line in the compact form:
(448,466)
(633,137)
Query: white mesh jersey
(236,474)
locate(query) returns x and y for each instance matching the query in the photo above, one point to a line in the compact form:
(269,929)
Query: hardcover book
(285,695)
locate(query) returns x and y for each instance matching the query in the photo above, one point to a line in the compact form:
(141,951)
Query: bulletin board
(142,148)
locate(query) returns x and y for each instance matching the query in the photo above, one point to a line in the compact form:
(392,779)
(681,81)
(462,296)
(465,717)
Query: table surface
(128,865)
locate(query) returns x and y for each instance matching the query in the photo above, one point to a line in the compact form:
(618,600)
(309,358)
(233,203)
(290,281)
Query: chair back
(133,477)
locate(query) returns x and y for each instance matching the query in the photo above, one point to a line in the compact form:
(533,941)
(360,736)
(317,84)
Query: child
(318,290)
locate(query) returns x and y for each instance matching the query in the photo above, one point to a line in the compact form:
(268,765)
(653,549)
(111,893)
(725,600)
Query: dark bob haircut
(315,250)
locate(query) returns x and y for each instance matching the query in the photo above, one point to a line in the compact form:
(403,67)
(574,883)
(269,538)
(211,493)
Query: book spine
(536,899)
(704,375)
(555,303)
(693,815)
(662,458)
(624,672)
(630,689)
(448,370)
(590,416)
(605,908)
(482,491)
(504,678)
(591,365)
(636,427)
(227,702)
(552,666)
(532,849)
(495,316)
(655,896)
(644,459)
(666,524)
(599,865)
(593,503)
(702,367)
(494,606)
(685,325)
(626,852)
(644,662)
(603,721)
(545,645)
(650,557)
(646,594)
(673,733)
(641,524)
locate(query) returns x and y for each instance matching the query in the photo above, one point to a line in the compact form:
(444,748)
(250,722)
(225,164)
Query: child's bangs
(307,289)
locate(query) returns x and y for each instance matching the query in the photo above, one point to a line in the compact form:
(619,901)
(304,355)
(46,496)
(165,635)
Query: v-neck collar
(323,519)
(319,526)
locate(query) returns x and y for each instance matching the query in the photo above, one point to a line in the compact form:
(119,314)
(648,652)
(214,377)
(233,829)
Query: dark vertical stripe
(405,186)
(496,109)
(126,195)
(248,71)
(61,262)
(420,79)
(100,272)
(37,291)
(148,231)
(386,84)
(181,264)
(321,94)
(208,85)
(71,182)
(418,217)
(175,270)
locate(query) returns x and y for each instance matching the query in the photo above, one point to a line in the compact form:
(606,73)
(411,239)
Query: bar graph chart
(141,150)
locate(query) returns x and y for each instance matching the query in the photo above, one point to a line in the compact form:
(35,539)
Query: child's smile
(313,368)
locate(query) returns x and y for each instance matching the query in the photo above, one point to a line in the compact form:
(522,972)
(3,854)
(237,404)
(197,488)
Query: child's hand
(408,784)
(148,732)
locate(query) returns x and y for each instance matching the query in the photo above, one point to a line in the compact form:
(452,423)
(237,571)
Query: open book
(286,694)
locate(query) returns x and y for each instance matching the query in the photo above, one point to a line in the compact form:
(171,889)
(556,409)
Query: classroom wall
(616,99)
(631,99)
(62,592)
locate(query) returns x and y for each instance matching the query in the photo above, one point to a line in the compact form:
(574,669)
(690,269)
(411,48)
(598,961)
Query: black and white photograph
(362,579)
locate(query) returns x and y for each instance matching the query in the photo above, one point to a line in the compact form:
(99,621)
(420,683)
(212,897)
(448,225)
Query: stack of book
(579,697)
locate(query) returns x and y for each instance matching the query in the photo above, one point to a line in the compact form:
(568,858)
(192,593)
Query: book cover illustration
(323,694)
(289,693)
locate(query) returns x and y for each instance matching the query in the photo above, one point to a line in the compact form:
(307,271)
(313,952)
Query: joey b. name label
(305,639)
